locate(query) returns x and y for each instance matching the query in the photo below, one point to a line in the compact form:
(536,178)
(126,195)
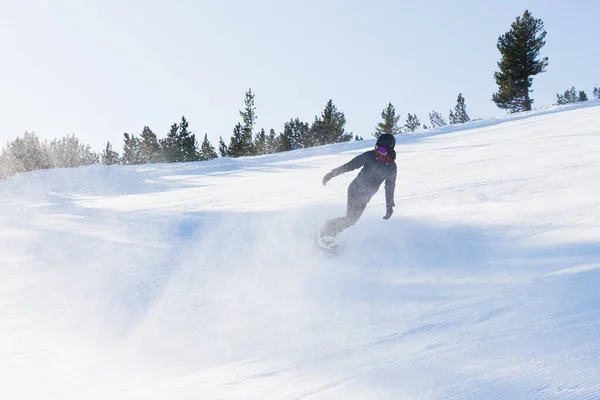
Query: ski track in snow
(201,280)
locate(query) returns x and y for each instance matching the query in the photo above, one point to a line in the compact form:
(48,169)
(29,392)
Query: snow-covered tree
(108,156)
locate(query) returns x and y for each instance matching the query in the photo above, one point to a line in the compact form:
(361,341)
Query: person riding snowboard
(378,165)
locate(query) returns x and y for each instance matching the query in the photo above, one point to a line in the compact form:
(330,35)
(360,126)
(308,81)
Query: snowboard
(330,247)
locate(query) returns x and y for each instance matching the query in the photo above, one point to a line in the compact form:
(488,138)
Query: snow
(202,281)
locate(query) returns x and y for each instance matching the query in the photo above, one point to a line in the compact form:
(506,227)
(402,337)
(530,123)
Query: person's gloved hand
(389,212)
(327,178)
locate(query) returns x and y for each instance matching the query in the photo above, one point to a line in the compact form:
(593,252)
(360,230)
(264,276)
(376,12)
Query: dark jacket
(370,178)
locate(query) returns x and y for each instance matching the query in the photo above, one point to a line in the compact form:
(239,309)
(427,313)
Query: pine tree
(520,48)
(108,156)
(271,142)
(131,150)
(596,92)
(249,120)
(330,127)
(188,146)
(223,149)
(170,145)
(436,119)
(582,96)
(296,135)
(412,123)
(238,144)
(207,151)
(149,147)
(459,116)
(260,143)
(302,134)
(389,123)
(569,96)
(284,142)
(281,143)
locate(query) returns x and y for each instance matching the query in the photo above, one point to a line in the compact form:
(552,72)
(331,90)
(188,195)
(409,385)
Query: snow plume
(125,268)
(250,283)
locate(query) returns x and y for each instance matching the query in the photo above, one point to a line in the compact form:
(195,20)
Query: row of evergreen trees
(390,121)
(329,127)
(180,144)
(29,153)
(574,96)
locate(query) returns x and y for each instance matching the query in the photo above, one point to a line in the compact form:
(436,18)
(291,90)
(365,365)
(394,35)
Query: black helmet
(386,140)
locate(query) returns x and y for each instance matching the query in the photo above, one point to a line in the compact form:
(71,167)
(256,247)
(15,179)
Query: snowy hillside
(201,280)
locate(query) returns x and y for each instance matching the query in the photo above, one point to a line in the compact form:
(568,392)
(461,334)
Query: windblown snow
(202,281)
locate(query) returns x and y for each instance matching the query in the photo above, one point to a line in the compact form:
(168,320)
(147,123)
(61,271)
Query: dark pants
(356,206)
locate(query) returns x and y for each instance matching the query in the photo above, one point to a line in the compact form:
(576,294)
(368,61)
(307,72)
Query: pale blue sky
(100,68)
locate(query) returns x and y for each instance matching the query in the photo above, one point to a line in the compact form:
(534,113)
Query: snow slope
(201,281)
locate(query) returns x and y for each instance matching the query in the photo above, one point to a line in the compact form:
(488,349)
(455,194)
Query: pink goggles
(381,149)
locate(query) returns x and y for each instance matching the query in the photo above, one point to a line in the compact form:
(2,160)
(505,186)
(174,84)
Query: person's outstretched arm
(351,165)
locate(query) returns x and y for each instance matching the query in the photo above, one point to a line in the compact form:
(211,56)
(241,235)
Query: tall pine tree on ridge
(520,48)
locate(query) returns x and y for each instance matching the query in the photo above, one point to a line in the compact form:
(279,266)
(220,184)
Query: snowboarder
(378,165)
